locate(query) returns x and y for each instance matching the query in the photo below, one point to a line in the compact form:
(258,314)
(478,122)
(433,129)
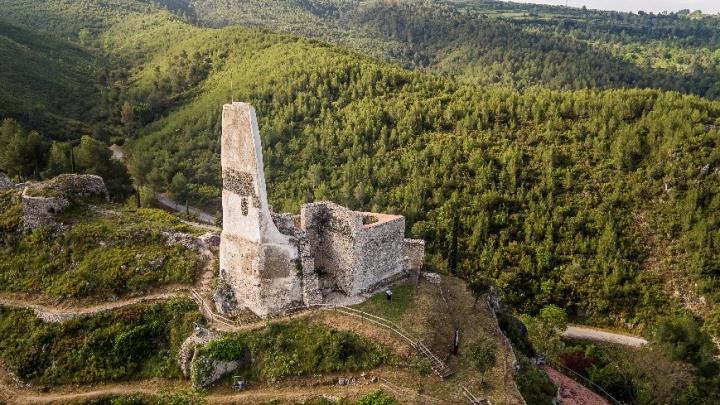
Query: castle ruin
(272,263)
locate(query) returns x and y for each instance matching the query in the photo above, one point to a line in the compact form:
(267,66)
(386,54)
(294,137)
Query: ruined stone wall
(332,232)
(5,183)
(41,201)
(353,256)
(40,211)
(289,224)
(258,262)
(379,254)
(414,252)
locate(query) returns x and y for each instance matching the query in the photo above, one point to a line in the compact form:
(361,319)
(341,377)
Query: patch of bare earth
(572,392)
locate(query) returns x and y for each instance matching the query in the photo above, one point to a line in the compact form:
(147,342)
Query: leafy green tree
(546,328)
(22,154)
(85,37)
(479,285)
(178,187)
(378,397)
(59,160)
(127,117)
(93,157)
(482,355)
(681,336)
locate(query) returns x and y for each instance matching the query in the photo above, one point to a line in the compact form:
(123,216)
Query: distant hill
(46,83)
(496,43)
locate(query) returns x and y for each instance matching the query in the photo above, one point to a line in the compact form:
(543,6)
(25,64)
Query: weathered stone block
(414,252)
(41,201)
(5,183)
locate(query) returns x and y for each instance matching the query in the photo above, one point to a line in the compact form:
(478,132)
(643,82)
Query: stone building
(271,263)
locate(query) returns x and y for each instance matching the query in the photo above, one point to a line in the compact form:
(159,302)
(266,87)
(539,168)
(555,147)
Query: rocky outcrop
(210,240)
(201,336)
(224,299)
(44,200)
(205,371)
(5,183)
(183,239)
(197,363)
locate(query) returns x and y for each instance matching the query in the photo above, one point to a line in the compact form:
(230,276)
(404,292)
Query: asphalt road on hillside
(585,333)
(199,214)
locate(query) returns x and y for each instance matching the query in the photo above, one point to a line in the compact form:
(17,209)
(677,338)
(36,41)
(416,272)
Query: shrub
(481,354)
(378,397)
(136,341)
(227,349)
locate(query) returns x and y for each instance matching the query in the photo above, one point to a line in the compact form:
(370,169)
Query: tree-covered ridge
(688,42)
(45,81)
(67,18)
(500,43)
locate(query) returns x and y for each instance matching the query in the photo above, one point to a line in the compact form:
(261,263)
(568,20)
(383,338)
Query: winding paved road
(585,333)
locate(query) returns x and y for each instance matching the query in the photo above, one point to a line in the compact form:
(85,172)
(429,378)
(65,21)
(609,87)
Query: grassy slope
(99,256)
(131,343)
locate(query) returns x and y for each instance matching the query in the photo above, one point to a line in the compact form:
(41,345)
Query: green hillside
(47,83)
(544,188)
(492,43)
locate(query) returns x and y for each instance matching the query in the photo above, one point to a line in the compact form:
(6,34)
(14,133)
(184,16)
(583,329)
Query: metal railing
(209,313)
(473,399)
(437,365)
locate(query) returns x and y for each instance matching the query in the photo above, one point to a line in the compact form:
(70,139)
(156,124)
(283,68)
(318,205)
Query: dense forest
(571,157)
(495,43)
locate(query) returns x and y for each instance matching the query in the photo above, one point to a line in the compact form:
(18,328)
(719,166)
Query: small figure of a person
(388,295)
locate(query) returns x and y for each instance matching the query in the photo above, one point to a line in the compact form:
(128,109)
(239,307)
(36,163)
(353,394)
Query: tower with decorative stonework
(258,262)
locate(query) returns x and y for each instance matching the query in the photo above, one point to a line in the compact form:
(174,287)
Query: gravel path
(62,314)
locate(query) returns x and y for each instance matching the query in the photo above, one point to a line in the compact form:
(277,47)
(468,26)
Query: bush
(378,397)
(481,354)
(293,349)
(534,385)
(132,342)
(227,349)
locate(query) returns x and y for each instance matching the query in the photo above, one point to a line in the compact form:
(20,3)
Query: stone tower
(260,264)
